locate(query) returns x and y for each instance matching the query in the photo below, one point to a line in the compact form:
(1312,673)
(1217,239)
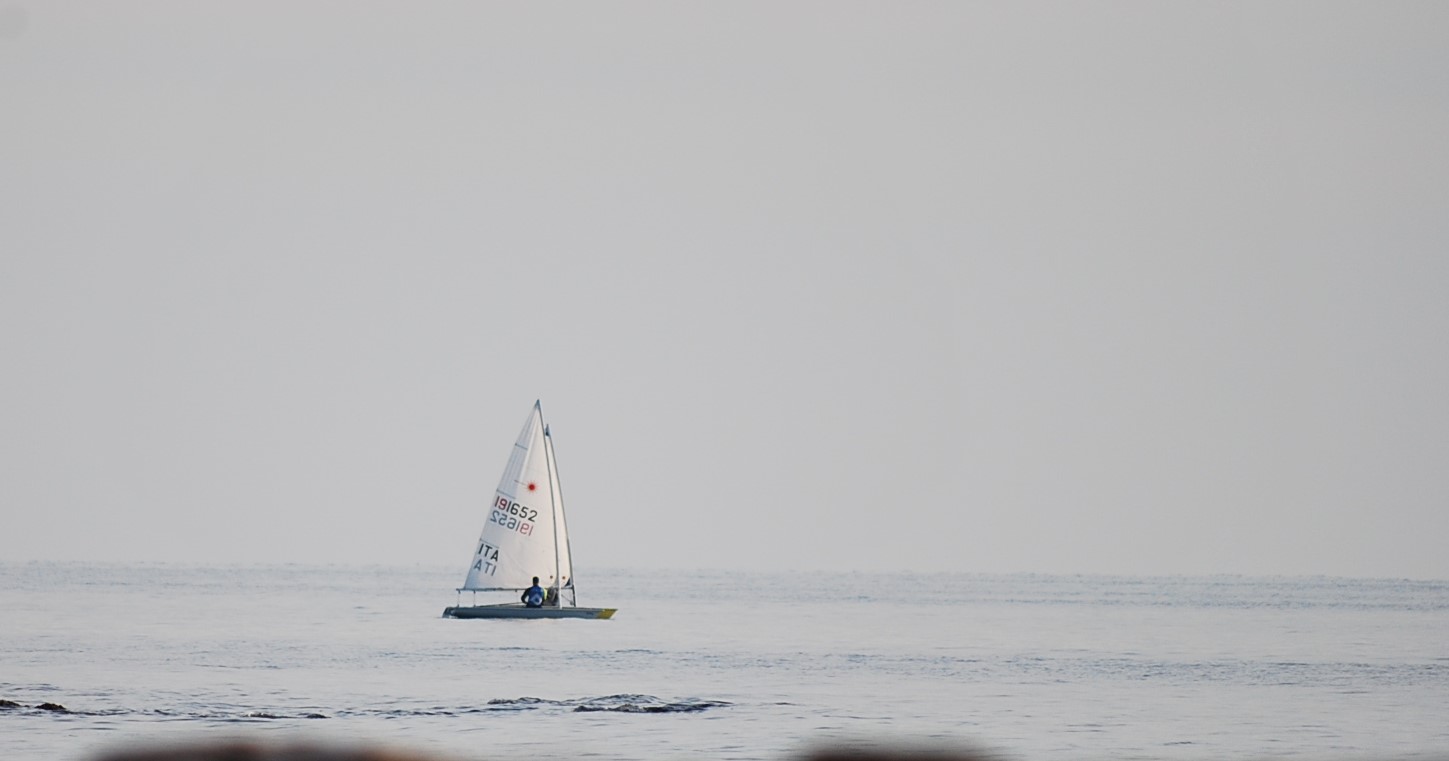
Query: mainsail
(524,534)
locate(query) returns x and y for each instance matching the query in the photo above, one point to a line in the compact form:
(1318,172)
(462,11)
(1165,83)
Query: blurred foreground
(257,751)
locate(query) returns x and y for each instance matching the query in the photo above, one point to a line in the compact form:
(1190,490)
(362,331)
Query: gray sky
(1057,287)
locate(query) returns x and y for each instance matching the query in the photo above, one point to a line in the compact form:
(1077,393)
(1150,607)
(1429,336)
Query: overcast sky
(1144,288)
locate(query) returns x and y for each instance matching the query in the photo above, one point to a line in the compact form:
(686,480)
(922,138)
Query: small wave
(237,715)
(520,702)
(271,715)
(10,705)
(623,703)
(646,704)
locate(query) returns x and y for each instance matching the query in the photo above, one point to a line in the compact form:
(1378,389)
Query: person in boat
(533,596)
(550,597)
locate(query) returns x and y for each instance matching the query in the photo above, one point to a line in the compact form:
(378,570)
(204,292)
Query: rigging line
(568,550)
(553,503)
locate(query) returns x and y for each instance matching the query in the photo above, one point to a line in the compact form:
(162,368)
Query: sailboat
(525,537)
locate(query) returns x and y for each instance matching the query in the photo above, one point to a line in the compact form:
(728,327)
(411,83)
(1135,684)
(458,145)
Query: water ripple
(607,703)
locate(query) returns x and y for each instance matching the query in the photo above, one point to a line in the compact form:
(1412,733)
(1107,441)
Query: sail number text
(511,515)
(506,505)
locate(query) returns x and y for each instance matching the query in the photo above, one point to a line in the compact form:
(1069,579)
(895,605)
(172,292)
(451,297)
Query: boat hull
(515,610)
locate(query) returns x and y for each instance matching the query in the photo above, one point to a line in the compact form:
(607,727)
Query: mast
(566,551)
(562,548)
(553,500)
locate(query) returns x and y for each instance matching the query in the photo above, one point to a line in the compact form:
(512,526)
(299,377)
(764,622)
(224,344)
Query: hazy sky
(1058,287)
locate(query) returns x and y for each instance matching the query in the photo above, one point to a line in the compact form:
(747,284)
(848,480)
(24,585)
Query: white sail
(523,530)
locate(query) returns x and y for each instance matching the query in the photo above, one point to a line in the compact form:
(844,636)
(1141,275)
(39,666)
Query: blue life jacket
(533,598)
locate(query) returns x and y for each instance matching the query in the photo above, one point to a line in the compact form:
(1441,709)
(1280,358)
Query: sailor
(533,596)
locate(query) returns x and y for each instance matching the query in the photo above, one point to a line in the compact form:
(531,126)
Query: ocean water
(719,665)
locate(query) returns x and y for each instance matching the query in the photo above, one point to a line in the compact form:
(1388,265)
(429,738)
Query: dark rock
(58,708)
(9,704)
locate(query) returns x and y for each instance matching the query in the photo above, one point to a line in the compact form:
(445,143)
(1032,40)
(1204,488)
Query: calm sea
(717,665)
